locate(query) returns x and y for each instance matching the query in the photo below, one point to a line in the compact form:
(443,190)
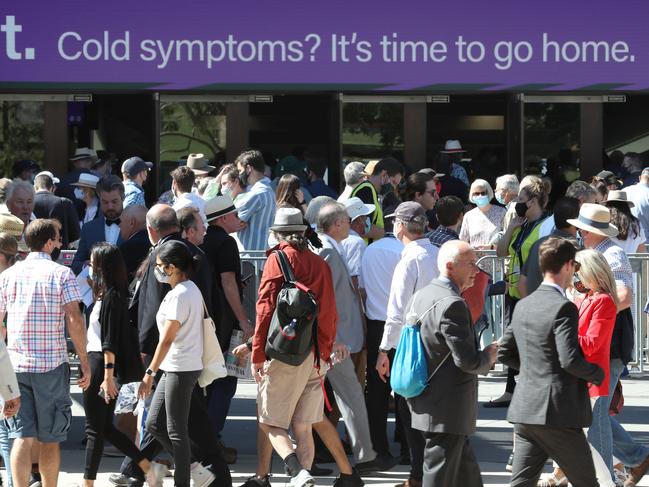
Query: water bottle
(411,319)
(334,358)
(289,330)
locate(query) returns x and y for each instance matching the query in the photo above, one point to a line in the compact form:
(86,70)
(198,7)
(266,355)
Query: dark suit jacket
(542,343)
(91,233)
(150,293)
(449,403)
(48,205)
(135,250)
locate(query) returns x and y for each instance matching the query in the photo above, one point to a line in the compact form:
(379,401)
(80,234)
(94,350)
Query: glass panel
(551,138)
(372,131)
(191,127)
(626,126)
(22,132)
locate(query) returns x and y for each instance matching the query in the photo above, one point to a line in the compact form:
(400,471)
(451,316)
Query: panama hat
(621,196)
(288,220)
(86,180)
(218,206)
(355,208)
(11,224)
(198,164)
(596,219)
(84,153)
(452,147)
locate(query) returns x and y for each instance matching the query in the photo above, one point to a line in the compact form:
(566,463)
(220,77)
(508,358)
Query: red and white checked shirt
(33,293)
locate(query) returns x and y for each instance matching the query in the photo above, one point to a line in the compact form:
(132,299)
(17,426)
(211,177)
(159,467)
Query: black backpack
(293,328)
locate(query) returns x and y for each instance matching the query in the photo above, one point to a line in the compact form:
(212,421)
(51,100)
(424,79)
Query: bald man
(445,412)
(135,244)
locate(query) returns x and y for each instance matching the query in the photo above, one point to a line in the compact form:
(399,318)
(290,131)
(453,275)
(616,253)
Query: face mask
(481,201)
(368,226)
(160,275)
(56,253)
(78,193)
(226,191)
(386,188)
(578,285)
(500,198)
(521,209)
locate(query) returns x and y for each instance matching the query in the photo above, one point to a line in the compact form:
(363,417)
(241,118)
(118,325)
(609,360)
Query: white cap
(355,208)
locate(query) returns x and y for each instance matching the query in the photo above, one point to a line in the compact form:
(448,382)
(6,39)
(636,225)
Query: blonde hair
(596,274)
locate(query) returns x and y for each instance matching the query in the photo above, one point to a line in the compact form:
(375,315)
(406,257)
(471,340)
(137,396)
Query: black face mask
(578,285)
(56,253)
(521,209)
(243,177)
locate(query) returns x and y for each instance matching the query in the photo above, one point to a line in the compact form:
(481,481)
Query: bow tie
(116,221)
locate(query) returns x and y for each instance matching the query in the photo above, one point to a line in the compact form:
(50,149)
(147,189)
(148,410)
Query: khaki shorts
(290,394)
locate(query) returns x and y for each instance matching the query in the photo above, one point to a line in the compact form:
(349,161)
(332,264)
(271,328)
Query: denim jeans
(599,433)
(5,449)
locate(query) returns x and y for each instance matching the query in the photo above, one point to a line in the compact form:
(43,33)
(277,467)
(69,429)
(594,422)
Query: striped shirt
(33,293)
(133,194)
(257,209)
(618,261)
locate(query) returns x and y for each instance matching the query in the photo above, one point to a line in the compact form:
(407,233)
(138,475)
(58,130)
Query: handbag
(617,401)
(213,361)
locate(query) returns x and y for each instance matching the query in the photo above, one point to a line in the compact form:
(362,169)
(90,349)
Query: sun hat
(54,179)
(409,211)
(288,220)
(355,208)
(11,224)
(594,218)
(84,153)
(621,196)
(452,147)
(218,206)
(198,164)
(86,180)
(135,165)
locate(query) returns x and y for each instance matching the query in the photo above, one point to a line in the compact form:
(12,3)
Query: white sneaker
(156,474)
(201,476)
(302,479)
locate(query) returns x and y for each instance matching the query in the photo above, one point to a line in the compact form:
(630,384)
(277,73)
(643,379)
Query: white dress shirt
(416,270)
(112,233)
(377,267)
(353,249)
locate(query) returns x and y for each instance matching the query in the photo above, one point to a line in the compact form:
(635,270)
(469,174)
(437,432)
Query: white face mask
(78,193)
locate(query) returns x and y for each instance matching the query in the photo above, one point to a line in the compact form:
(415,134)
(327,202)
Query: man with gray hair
(20,200)
(353,174)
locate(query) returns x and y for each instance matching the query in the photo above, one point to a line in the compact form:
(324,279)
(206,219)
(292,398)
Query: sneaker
(122,480)
(156,474)
(255,481)
(35,479)
(353,480)
(302,479)
(201,476)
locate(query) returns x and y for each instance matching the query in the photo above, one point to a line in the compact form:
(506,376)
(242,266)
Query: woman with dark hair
(288,193)
(631,236)
(114,356)
(178,357)
(602,189)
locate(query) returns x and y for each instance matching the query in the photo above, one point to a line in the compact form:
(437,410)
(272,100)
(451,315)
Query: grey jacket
(350,324)
(542,343)
(449,403)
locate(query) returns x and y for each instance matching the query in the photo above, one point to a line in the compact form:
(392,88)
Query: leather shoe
(636,473)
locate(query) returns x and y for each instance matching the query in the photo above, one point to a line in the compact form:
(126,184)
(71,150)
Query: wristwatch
(109,365)
(150,372)
(384,351)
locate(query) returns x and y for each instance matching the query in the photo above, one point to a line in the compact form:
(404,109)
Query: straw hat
(452,147)
(11,224)
(621,196)
(84,153)
(198,164)
(218,206)
(86,180)
(288,220)
(596,219)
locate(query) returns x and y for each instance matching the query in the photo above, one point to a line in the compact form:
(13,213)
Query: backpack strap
(285,266)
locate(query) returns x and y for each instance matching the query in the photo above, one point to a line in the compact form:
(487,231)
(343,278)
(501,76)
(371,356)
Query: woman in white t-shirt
(178,356)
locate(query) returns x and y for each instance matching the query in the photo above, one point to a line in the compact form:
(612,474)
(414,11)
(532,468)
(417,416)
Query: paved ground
(492,441)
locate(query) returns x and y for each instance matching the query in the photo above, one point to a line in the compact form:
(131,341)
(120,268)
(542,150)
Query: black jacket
(48,205)
(150,293)
(135,250)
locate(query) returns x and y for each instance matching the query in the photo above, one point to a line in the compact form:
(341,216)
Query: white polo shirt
(377,267)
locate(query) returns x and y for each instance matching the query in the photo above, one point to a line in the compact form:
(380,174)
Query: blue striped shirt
(257,209)
(133,194)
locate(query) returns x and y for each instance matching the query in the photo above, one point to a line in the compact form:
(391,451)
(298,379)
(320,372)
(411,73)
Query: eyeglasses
(479,193)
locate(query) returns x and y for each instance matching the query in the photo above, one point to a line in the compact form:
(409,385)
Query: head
(595,273)
(601,188)
(4,187)
(132,220)
(632,163)
(251,166)
(191,225)
(313,209)
(353,173)
(84,158)
(174,262)
(450,212)
(20,199)
(581,190)
(43,182)
(285,193)
(420,187)
(315,169)
(203,183)
(594,224)
(410,222)
(334,221)
(8,251)
(25,170)
(621,216)
(136,169)
(384,172)
(111,196)
(566,208)
(557,260)
(182,180)
(360,215)
(532,199)
(457,261)
(44,235)
(480,193)
(507,188)
(161,220)
(644,176)
(108,269)
(230,183)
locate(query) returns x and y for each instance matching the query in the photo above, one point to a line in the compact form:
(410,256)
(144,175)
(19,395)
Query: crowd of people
(395,248)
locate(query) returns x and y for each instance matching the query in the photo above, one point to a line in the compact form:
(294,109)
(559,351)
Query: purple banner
(380,45)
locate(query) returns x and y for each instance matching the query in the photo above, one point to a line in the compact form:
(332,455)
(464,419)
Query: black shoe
(404,459)
(353,480)
(379,464)
(255,482)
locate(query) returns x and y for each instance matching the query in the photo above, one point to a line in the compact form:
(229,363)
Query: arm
(508,350)
(502,249)
(108,385)
(72,219)
(625,297)
(231,291)
(83,252)
(77,331)
(570,357)
(522,285)
(402,288)
(249,206)
(269,287)
(167,338)
(601,321)
(327,315)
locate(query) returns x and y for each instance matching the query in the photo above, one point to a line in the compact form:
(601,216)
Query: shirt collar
(448,282)
(421,242)
(331,241)
(555,286)
(604,244)
(38,255)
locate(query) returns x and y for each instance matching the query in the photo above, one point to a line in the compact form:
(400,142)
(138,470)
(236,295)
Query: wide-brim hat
(86,181)
(84,153)
(452,147)
(11,224)
(355,208)
(621,196)
(432,172)
(288,220)
(218,206)
(596,219)
(198,164)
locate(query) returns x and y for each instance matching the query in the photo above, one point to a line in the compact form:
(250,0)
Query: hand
(241,352)
(110,389)
(84,380)
(492,351)
(258,371)
(341,351)
(383,366)
(516,222)
(145,386)
(247,329)
(299,195)
(11,407)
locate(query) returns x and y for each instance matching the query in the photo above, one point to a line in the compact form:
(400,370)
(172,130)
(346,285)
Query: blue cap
(135,165)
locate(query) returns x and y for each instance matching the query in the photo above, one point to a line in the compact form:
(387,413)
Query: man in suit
(550,405)
(135,244)
(48,205)
(106,227)
(446,410)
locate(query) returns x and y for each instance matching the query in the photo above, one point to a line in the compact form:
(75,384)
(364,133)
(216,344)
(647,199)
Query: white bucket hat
(596,219)
(355,208)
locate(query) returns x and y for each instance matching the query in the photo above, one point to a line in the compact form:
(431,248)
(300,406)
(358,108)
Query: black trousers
(510,304)
(99,422)
(566,446)
(416,440)
(449,461)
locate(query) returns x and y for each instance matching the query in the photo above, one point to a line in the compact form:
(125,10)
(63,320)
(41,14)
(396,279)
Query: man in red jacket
(292,395)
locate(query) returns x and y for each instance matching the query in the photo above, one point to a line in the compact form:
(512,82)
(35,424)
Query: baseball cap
(609,177)
(409,211)
(135,165)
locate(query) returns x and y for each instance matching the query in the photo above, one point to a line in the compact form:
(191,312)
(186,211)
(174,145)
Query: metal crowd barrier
(252,263)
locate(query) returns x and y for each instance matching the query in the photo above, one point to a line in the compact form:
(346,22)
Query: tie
(116,221)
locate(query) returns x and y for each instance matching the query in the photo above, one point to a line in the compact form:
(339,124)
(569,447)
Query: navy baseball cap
(135,165)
